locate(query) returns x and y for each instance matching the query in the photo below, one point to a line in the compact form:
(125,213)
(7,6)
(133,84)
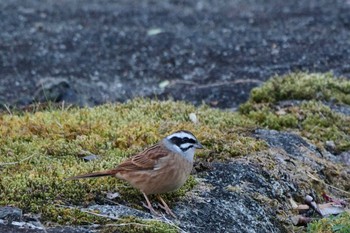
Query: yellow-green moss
(47,147)
(312,118)
(332,224)
(303,86)
(132,224)
(65,215)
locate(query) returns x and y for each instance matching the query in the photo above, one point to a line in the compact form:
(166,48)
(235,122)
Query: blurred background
(91,52)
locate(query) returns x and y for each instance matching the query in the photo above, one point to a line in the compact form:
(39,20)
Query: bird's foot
(166,208)
(150,208)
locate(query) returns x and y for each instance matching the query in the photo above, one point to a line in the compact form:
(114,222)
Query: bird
(161,168)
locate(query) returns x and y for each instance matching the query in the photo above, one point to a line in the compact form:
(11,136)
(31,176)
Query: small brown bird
(161,168)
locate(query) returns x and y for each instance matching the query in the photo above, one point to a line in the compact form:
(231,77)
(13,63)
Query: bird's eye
(188,140)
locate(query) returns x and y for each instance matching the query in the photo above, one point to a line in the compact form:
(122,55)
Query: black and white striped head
(184,142)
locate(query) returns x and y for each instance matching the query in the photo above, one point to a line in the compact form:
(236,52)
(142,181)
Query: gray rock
(14,229)
(344,157)
(90,157)
(216,206)
(330,146)
(118,50)
(215,94)
(296,147)
(293,144)
(340,108)
(10,213)
(57,90)
(119,211)
(51,89)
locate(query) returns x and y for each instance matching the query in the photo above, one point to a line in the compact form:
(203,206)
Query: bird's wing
(146,160)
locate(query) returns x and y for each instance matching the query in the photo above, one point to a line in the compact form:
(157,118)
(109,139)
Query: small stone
(112,196)
(308,199)
(345,158)
(57,90)
(154,31)
(193,118)
(330,146)
(51,89)
(163,84)
(89,158)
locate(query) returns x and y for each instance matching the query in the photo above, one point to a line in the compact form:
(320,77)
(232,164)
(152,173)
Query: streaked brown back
(145,160)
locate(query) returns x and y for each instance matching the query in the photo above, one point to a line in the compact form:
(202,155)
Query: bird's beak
(198,145)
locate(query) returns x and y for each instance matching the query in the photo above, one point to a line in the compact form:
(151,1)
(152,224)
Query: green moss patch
(332,224)
(303,86)
(40,149)
(132,224)
(312,118)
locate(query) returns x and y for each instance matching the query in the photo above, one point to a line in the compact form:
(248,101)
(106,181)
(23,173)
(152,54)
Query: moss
(46,146)
(337,224)
(303,86)
(132,224)
(65,215)
(320,124)
(266,117)
(311,118)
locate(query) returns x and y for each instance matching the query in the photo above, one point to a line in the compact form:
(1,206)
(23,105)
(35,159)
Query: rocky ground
(92,52)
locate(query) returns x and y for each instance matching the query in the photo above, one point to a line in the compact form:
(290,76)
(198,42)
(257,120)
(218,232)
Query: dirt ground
(91,52)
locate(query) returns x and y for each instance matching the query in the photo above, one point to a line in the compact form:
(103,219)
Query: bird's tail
(92,175)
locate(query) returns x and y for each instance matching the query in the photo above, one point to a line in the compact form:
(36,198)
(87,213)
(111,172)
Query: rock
(14,229)
(225,201)
(340,108)
(57,90)
(293,144)
(330,146)
(344,157)
(10,213)
(91,157)
(297,148)
(223,95)
(141,48)
(51,89)
(118,211)
(209,61)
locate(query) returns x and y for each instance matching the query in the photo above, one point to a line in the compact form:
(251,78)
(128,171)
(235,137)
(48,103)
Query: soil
(92,52)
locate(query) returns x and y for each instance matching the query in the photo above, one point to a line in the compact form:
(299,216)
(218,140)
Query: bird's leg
(149,206)
(165,207)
